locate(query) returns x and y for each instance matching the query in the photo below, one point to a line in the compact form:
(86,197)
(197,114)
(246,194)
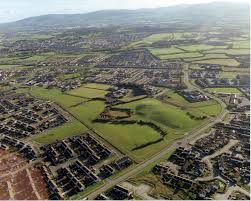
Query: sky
(13,10)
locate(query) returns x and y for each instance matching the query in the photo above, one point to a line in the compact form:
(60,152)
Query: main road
(177,143)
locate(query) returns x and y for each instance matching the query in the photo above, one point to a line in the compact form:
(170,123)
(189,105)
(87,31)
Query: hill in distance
(198,14)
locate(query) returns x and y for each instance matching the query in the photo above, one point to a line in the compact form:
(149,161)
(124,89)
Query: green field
(241,44)
(127,137)
(224,90)
(226,62)
(165,51)
(172,37)
(230,51)
(13,66)
(208,56)
(56,96)
(157,37)
(211,110)
(66,130)
(166,37)
(164,114)
(174,98)
(231,75)
(70,76)
(97,86)
(88,92)
(180,55)
(88,111)
(173,119)
(193,48)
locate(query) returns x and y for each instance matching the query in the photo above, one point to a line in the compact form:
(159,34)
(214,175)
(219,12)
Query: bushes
(196,118)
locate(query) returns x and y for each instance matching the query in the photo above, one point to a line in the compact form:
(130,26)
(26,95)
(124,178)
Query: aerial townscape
(146,104)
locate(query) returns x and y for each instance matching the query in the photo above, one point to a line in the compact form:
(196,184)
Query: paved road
(176,144)
(230,190)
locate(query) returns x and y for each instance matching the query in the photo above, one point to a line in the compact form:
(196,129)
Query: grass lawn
(57,96)
(165,51)
(87,92)
(230,51)
(224,90)
(226,62)
(180,55)
(68,129)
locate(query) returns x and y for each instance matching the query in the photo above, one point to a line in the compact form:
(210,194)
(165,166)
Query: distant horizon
(14,10)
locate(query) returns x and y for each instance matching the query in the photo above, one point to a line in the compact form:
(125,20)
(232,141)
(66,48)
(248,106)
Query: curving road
(176,144)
